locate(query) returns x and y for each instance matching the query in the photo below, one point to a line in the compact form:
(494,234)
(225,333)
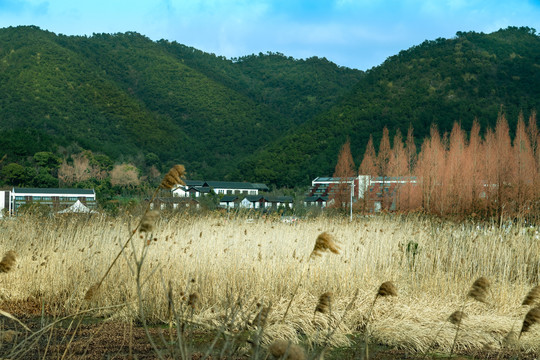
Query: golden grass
(58,259)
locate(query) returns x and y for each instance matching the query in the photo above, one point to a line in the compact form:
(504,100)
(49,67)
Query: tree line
(485,173)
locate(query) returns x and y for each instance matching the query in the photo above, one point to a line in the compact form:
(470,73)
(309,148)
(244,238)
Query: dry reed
(532,317)
(457,317)
(479,289)
(8,261)
(533,296)
(324,305)
(174,177)
(387,288)
(148,221)
(325,242)
(76,253)
(283,349)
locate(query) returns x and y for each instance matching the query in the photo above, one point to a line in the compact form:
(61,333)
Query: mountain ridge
(264,118)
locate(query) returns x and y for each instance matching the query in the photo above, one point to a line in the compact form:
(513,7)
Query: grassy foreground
(208,266)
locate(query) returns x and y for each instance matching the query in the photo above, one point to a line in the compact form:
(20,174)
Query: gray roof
(260,186)
(63,191)
(225,184)
(229,198)
(281,199)
(316,198)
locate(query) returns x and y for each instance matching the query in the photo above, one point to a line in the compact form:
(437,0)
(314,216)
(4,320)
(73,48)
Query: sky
(358,34)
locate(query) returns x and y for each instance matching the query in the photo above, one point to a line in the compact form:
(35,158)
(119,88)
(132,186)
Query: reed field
(208,265)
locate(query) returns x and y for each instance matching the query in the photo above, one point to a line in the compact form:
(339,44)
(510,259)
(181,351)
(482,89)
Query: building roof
(260,186)
(200,189)
(281,199)
(316,198)
(321,179)
(225,184)
(63,191)
(254,198)
(229,198)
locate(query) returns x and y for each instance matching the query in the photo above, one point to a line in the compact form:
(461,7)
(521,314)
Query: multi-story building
(56,199)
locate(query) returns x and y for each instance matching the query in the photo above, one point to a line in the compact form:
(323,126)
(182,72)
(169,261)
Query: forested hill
(266,117)
(472,76)
(126,96)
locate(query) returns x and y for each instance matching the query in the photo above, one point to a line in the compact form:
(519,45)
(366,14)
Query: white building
(197,188)
(56,199)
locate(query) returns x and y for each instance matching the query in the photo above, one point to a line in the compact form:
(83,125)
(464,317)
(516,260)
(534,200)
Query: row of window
(230,192)
(49,198)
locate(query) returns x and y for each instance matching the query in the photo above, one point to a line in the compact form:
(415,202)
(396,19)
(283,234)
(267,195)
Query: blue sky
(354,33)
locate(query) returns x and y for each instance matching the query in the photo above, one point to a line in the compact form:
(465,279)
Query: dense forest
(118,108)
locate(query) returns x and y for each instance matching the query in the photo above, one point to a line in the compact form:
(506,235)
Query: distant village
(324,192)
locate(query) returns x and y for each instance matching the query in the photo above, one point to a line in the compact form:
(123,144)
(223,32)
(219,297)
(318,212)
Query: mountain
(125,95)
(472,76)
(266,118)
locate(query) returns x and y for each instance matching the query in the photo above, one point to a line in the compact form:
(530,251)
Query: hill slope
(266,117)
(437,82)
(125,95)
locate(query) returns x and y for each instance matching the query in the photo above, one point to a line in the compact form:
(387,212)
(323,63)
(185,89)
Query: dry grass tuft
(387,288)
(324,305)
(532,317)
(148,220)
(533,296)
(479,289)
(283,349)
(325,242)
(174,177)
(92,291)
(8,261)
(457,317)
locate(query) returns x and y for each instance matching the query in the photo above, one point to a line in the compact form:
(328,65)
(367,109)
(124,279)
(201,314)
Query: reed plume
(387,288)
(8,261)
(283,349)
(324,306)
(456,317)
(174,177)
(148,221)
(532,317)
(325,242)
(91,292)
(479,289)
(533,296)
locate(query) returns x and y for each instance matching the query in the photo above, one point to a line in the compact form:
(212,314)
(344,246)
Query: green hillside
(265,117)
(437,82)
(125,95)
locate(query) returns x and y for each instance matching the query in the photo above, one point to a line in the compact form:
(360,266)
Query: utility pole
(352,195)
